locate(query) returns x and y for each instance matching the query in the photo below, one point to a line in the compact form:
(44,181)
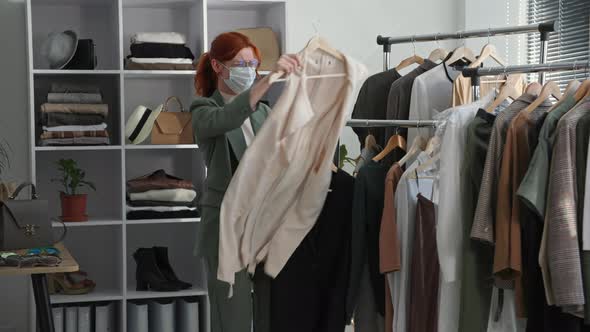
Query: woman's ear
(217,67)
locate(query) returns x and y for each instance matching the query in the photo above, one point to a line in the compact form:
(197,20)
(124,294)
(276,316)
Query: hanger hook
(315,24)
(575,70)
(489,33)
(414,43)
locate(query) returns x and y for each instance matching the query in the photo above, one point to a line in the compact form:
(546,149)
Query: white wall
(353,26)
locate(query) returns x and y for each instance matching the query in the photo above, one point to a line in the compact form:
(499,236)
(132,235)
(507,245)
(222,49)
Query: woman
(226,118)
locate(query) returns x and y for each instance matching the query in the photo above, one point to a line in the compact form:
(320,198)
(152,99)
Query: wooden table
(39,279)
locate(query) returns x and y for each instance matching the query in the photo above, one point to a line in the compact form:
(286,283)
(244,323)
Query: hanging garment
(483,222)
(507,322)
(449,214)
(521,140)
(425,271)
(372,104)
(463,90)
(389,251)
(366,221)
(279,188)
(582,139)
(542,317)
(406,201)
(366,155)
(431,94)
(476,284)
(398,99)
(534,186)
(313,284)
(562,247)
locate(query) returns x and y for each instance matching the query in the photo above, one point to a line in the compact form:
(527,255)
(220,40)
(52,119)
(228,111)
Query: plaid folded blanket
(74,134)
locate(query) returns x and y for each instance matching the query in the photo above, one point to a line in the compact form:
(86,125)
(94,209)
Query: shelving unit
(104,245)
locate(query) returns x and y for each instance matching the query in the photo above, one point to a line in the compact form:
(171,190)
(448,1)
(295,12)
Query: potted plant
(73,204)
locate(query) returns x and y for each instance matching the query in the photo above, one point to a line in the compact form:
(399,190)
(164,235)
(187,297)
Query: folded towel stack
(74,115)
(160,196)
(159,51)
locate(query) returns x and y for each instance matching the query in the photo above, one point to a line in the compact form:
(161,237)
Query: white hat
(140,123)
(59,48)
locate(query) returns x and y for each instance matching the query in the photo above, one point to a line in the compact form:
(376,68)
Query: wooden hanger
(534,89)
(424,166)
(438,54)
(508,90)
(314,44)
(371,143)
(395,141)
(410,61)
(570,86)
(461,53)
(550,89)
(419,144)
(488,51)
(583,91)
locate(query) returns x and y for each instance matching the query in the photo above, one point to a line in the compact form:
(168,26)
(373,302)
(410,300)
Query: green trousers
(250,304)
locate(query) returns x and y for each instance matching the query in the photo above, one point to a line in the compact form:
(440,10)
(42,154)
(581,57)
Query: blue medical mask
(240,78)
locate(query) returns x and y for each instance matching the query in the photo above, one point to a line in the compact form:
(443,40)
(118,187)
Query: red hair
(223,48)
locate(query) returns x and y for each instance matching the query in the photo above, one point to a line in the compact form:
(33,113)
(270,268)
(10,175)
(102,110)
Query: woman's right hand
(287,64)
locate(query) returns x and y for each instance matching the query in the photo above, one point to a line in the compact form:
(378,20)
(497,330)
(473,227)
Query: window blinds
(572,40)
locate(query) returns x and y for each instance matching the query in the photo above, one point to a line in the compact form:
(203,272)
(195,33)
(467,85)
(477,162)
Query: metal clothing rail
(543,28)
(391,123)
(476,73)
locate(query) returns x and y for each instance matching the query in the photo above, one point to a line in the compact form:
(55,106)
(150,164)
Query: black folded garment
(159,50)
(55,119)
(158,203)
(135,215)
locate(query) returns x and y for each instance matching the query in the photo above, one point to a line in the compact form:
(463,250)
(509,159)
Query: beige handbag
(173,127)
(267,42)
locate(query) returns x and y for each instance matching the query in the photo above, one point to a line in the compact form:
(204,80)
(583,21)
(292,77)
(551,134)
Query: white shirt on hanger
(432,92)
(449,218)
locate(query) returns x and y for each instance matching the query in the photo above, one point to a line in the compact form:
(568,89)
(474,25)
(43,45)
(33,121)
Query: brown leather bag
(173,127)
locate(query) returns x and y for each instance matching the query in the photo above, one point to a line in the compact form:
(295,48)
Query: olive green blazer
(216,127)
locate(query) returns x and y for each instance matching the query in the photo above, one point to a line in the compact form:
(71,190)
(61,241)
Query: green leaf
(72,177)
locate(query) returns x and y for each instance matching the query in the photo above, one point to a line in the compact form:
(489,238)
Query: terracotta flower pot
(73,207)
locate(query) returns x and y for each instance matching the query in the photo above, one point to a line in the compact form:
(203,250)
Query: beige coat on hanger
(280,186)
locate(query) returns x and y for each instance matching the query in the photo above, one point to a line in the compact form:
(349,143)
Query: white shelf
(97,295)
(138,74)
(89,223)
(160,147)
(163,221)
(239,4)
(75,72)
(135,295)
(78,148)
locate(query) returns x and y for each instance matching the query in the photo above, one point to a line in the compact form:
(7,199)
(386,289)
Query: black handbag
(84,58)
(25,223)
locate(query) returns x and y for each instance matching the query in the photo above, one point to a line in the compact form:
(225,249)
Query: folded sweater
(174,195)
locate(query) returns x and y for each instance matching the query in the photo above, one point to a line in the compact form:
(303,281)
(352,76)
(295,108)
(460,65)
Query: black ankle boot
(166,268)
(148,275)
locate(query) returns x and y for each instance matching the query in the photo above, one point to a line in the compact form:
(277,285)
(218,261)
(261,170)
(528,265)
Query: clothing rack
(543,28)
(476,73)
(391,123)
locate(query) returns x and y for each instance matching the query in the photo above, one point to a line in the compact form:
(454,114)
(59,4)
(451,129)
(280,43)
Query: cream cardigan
(279,188)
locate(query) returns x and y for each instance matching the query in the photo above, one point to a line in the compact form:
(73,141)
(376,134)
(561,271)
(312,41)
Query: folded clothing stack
(159,51)
(160,196)
(74,115)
